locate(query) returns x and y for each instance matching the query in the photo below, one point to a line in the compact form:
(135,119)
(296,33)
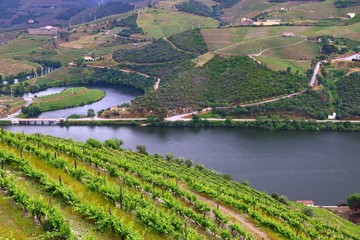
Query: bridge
(35,121)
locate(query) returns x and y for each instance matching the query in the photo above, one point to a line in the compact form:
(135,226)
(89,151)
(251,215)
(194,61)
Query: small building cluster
(308,203)
(47,30)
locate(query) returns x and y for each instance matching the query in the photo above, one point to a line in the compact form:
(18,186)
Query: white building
(332,117)
(351,15)
(89,59)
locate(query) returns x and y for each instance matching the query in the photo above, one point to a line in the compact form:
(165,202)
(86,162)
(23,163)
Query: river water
(114,96)
(321,166)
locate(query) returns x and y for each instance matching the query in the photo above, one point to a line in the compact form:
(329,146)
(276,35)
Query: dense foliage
(348,89)
(129,23)
(191,41)
(227,3)
(313,104)
(346,3)
(195,7)
(155,69)
(112,7)
(156,52)
(354,201)
(222,82)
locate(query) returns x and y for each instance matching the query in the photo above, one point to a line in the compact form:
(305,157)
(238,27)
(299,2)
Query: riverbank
(264,124)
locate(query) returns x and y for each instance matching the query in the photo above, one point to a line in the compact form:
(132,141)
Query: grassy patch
(159,23)
(70,97)
(14,223)
(310,11)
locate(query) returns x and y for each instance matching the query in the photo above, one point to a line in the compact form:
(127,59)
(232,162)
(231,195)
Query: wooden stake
(121,198)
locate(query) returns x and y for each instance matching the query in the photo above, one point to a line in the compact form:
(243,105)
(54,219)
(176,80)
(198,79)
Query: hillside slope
(221,82)
(105,192)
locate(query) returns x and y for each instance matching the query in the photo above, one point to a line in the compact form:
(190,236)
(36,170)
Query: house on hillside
(288,34)
(308,203)
(246,20)
(332,116)
(30,21)
(351,15)
(89,58)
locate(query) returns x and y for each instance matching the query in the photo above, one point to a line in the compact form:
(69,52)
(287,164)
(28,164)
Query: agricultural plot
(298,57)
(10,105)
(159,23)
(250,8)
(155,198)
(318,10)
(276,51)
(12,59)
(70,97)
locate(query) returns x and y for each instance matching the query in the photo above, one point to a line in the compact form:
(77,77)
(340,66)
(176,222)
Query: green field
(159,23)
(277,52)
(314,11)
(68,98)
(156,197)
(15,223)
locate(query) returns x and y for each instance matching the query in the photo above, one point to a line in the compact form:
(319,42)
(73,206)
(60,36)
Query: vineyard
(92,190)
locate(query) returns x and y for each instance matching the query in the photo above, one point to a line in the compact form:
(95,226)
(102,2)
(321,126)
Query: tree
(113,143)
(31,110)
(195,119)
(90,113)
(169,157)
(141,149)
(308,211)
(189,162)
(354,201)
(94,143)
(152,119)
(200,167)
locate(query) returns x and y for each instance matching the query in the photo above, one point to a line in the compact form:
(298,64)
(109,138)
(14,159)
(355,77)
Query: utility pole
(11,93)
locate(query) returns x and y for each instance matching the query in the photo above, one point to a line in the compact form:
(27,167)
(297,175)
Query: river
(320,166)
(114,95)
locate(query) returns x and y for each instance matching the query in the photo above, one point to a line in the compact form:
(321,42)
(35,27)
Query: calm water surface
(321,166)
(114,95)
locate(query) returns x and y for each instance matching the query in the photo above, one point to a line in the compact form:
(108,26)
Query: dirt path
(285,46)
(242,220)
(240,43)
(157,84)
(173,45)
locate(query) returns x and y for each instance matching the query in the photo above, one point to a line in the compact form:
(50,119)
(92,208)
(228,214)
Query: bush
(141,149)
(354,201)
(308,212)
(113,143)
(94,143)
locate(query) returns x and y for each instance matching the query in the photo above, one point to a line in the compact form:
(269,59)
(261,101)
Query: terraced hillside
(100,191)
